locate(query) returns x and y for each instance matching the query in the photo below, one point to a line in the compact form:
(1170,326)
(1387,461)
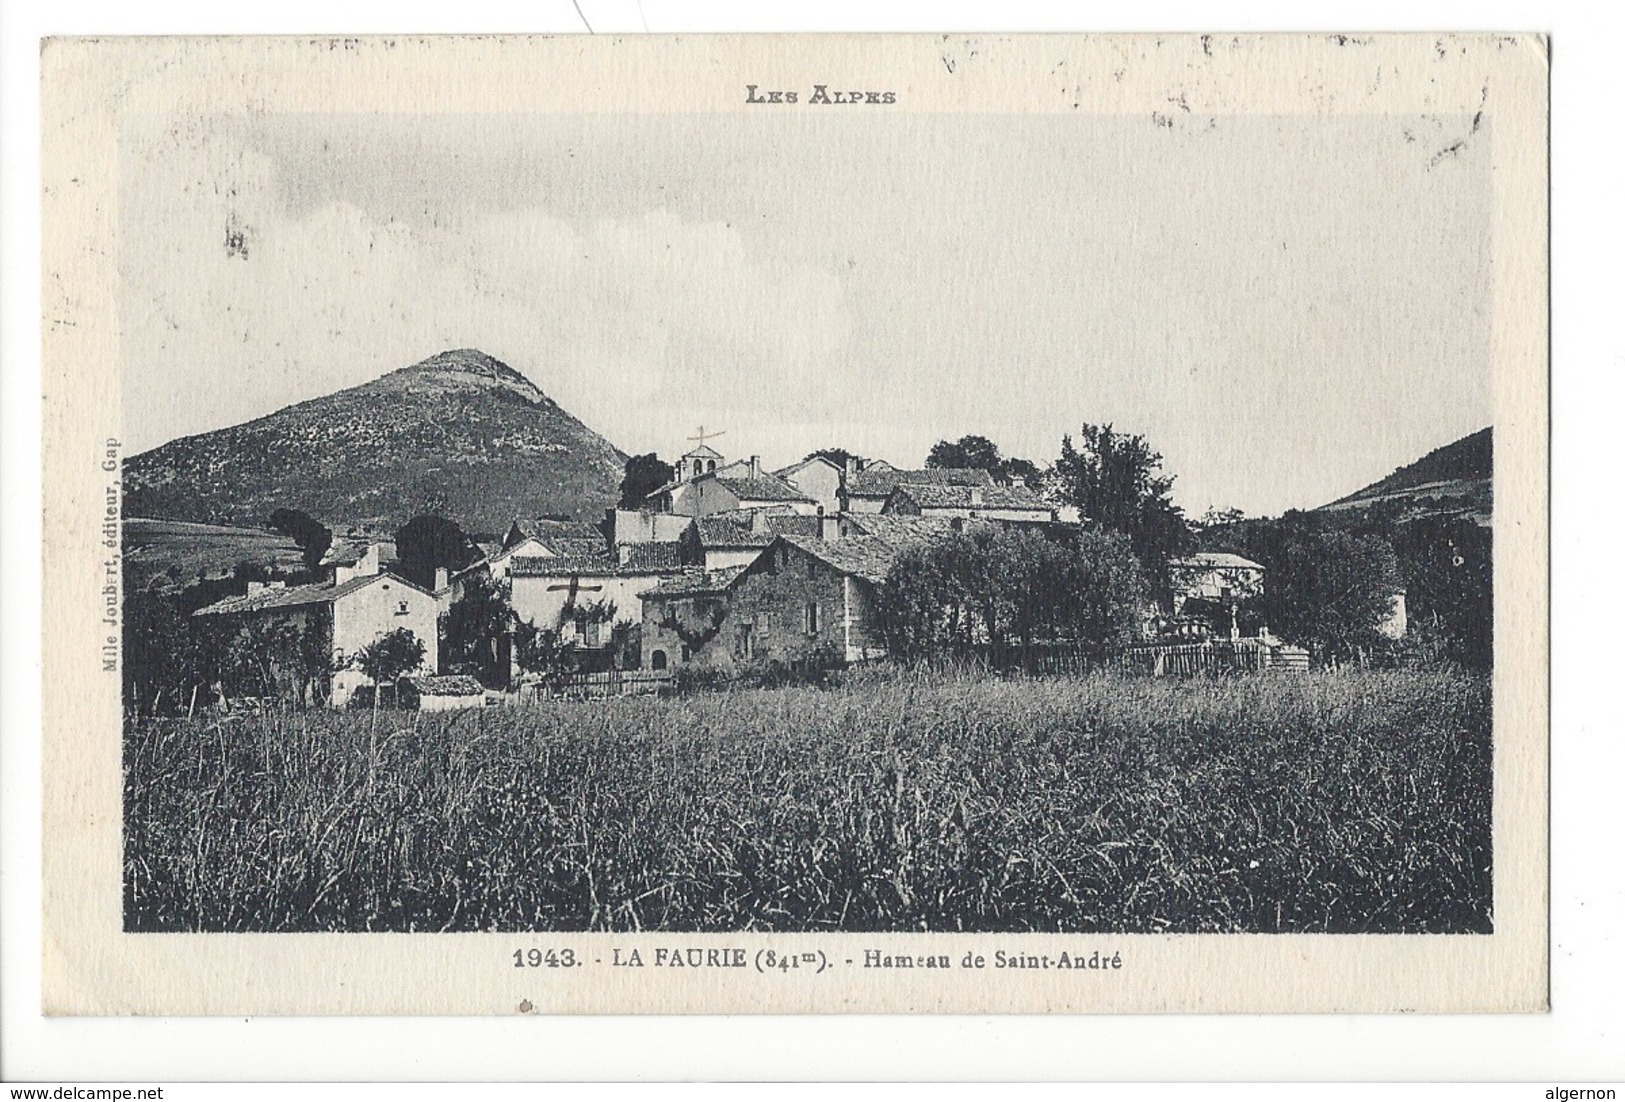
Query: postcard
(817,524)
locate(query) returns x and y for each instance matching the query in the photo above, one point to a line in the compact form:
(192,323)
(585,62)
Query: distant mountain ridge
(1456,479)
(461,434)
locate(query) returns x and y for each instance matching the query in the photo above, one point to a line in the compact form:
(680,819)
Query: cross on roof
(575,587)
(701,436)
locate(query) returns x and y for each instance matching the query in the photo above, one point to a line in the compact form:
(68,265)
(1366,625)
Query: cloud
(244,306)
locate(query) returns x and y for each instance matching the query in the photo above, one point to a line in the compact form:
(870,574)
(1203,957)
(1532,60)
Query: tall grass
(1344,803)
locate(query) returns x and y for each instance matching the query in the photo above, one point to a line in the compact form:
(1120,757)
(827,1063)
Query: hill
(461,434)
(1452,481)
(185,553)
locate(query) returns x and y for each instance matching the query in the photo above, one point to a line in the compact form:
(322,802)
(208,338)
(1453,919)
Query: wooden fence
(600,684)
(1214,657)
(1041,659)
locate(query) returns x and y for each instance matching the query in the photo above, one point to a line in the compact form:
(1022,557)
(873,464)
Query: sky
(1286,308)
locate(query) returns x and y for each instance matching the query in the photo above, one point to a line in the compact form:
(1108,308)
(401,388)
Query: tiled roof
(578,548)
(561,566)
(451,684)
(349,550)
(876,481)
(696,583)
(642,559)
(320,593)
(1213,560)
(550,530)
(764,487)
(866,557)
(794,524)
(896,527)
(730,530)
(739,529)
(651,556)
(937,496)
(786,472)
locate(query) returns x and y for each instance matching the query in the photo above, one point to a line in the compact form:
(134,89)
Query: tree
(1023,471)
(475,630)
(1216,517)
(313,537)
(388,658)
(1117,484)
(1332,590)
(968,451)
(165,657)
(838,456)
(428,543)
(644,475)
(543,652)
(1447,565)
(1005,588)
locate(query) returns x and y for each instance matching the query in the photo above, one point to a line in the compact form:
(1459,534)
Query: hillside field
(1350,802)
(185,552)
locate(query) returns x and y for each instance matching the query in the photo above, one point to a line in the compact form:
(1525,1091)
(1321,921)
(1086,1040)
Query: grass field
(1354,802)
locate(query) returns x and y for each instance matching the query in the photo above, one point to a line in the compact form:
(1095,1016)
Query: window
(657,660)
(581,623)
(402,609)
(812,617)
(812,568)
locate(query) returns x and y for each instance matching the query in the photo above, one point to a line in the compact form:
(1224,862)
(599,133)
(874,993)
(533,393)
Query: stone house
(721,540)
(357,557)
(1015,504)
(682,616)
(867,488)
(802,600)
(818,478)
(740,485)
(351,613)
(644,526)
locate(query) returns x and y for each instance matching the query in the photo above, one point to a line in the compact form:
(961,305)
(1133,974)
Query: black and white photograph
(836,511)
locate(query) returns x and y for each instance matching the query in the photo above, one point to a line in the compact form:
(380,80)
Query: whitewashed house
(356,611)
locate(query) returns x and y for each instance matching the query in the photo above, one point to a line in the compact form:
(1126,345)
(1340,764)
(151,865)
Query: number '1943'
(545,958)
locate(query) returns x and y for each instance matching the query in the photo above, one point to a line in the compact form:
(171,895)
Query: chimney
(829,528)
(625,551)
(441,578)
(976,495)
(755,467)
(758,520)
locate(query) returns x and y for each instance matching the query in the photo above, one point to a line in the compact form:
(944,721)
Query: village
(726,568)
